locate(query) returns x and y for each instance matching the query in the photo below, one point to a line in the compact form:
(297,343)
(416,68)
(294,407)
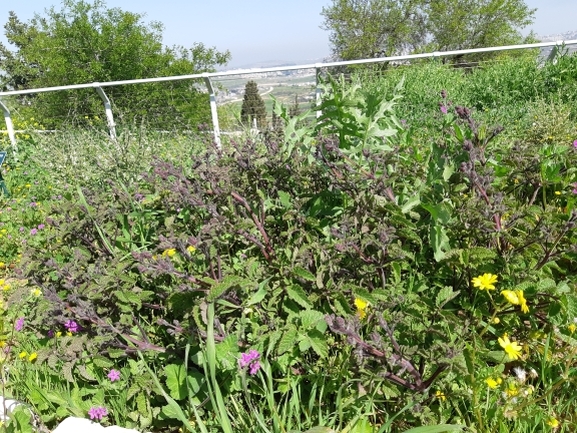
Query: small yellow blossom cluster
(30,357)
(362,307)
(4,286)
(516,298)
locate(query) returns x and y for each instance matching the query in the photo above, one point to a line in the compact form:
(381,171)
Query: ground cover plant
(404,264)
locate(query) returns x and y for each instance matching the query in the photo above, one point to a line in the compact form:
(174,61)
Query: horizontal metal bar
(288,68)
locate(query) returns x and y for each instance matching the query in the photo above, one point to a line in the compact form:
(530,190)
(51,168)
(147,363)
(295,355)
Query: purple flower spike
(19,324)
(443,109)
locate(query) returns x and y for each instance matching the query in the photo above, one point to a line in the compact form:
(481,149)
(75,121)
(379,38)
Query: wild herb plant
(357,275)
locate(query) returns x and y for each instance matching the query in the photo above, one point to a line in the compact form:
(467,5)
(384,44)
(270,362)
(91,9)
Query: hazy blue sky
(264,30)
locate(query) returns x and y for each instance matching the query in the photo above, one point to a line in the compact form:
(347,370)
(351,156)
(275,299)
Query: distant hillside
(567,36)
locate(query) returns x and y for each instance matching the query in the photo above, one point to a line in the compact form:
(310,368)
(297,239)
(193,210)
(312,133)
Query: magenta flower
(97,412)
(41,226)
(113,375)
(254,368)
(33,232)
(575,144)
(575,188)
(250,360)
(19,324)
(443,109)
(247,358)
(71,326)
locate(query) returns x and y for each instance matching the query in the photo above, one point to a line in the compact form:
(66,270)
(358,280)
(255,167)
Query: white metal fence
(98,87)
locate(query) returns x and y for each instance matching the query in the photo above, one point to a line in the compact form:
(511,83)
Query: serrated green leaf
(303,273)
(297,294)
(128,297)
(102,362)
(287,341)
(318,343)
(310,318)
(176,381)
(445,295)
(219,288)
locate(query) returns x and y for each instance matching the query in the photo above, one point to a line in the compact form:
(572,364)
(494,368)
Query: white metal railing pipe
(206,76)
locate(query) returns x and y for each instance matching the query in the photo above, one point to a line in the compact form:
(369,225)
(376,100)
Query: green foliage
(362,273)
(103,44)
(379,28)
(253,108)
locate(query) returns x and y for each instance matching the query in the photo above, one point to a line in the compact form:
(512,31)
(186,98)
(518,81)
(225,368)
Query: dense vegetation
(406,262)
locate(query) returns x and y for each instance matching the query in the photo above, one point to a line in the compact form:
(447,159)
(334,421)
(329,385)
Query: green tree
(376,28)
(253,107)
(88,42)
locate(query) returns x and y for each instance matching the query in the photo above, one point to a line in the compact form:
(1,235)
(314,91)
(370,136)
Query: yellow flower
(191,249)
(522,301)
(492,383)
(511,296)
(32,357)
(552,422)
(2,265)
(485,281)
(362,306)
(512,348)
(496,321)
(35,292)
(516,298)
(58,334)
(512,390)
(440,395)
(23,354)
(572,327)
(169,252)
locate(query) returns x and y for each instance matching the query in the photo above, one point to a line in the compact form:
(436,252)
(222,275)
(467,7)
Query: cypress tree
(253,106)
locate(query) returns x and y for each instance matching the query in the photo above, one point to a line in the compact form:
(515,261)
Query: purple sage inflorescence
(19,324)
(97,412)
(250,360)
(71,326)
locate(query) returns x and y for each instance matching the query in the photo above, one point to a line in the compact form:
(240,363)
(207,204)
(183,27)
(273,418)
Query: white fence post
(107,109)
(213,110)
(318,90)
(10,129)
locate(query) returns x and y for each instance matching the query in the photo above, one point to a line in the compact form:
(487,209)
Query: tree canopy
(88,42)
(377,28)
(253,107)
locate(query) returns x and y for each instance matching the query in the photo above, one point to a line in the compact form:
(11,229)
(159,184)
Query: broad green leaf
(176,380)
(318,343)
(219,288)
(287,341)
(439,242)
(297,294)
(303,273)
(310,318)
